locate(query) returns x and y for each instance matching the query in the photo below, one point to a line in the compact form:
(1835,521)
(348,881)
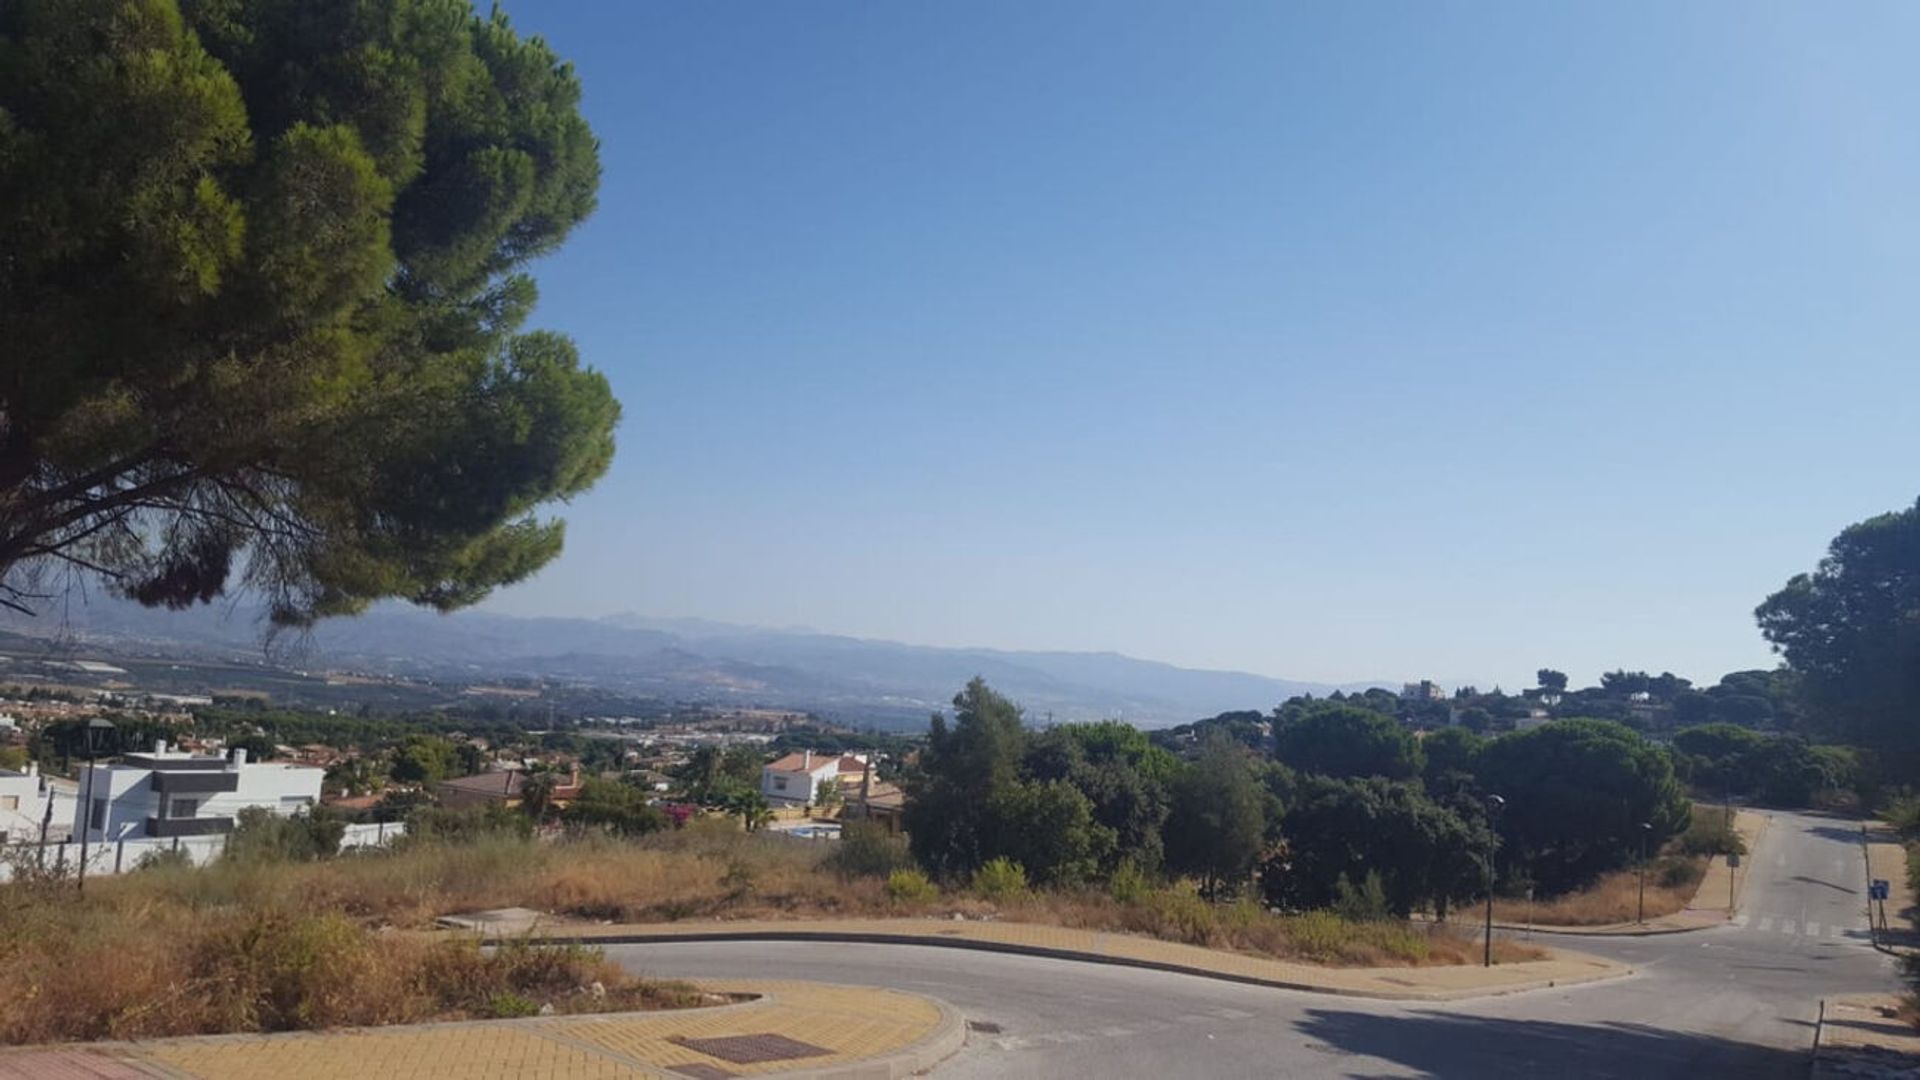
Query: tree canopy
(1577,792)
(1346,740)
(263,298)
(1851,630)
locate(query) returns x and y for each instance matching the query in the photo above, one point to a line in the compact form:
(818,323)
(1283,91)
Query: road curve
(1734,1001)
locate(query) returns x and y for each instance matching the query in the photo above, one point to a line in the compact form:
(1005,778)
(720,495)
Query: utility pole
(1645,828)
(1494,805)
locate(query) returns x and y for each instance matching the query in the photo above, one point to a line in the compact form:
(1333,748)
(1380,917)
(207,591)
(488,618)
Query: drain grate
(752,1049)
(984,1027)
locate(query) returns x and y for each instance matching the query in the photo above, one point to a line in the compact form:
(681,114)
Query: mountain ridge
(839,676)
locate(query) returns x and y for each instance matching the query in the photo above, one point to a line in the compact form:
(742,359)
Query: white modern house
(24,801)
(170,793)
(795,779)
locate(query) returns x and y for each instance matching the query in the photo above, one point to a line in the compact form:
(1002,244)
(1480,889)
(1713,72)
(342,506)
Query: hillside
(681,659)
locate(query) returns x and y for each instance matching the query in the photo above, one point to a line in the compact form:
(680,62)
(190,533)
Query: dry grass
(1614,898)
(1672,880)
(278,946)
(265,948)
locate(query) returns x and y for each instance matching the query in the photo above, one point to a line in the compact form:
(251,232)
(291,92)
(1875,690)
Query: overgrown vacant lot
(1673,877)
(266,945)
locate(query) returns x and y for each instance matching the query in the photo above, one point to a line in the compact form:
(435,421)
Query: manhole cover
(984,1027)
(752,1049)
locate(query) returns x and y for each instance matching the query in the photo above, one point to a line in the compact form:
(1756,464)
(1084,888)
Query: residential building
(1424,690)
(795,780)
(169,793)
(503,786)
(25,799)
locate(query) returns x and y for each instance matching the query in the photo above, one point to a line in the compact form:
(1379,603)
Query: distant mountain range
(855,679)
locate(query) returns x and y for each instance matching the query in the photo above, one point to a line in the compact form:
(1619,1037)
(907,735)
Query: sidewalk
(1390,983)
(1887,860)
(1863,1036)
(795,1029)
(1706,910)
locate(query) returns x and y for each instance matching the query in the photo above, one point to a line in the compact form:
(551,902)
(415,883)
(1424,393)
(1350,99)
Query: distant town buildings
(1424,690)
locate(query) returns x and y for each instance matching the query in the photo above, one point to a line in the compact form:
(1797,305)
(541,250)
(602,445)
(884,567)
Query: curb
(944,1041)
(1605,931)
(974,945)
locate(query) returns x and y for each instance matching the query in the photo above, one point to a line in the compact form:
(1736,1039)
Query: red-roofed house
(795,780)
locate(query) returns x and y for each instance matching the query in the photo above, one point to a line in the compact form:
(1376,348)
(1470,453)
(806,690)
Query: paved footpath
(804,1029)
(1439,983)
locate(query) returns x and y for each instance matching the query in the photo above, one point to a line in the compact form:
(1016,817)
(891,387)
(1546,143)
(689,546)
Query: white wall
(122,856)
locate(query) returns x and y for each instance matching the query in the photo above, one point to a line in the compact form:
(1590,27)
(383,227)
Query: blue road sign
(1878,890)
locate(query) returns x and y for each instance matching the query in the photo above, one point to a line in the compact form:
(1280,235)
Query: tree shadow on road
(1835,832)
(1451,1045)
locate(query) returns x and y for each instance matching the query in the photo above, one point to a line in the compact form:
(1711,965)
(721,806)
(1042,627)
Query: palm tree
(536,792)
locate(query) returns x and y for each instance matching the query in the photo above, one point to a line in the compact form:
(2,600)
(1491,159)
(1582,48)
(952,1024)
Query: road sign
(1733,860)
(1879,889)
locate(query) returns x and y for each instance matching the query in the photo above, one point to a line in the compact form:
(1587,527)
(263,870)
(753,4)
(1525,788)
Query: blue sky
(1332,341)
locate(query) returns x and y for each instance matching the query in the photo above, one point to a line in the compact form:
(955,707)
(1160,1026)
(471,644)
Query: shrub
(1709,834)
(866,849)
(1000,880)
(444,825)
(1181,914)
(1678,873)
(1366,902)
(509,1005)
(260,834)
(1129,884)
(910,886)
(164,859)
(1903,813)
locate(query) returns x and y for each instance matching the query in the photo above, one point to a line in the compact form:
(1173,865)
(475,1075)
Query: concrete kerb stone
(978,945)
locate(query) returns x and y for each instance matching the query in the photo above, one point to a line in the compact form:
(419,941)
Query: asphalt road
(1736,1001)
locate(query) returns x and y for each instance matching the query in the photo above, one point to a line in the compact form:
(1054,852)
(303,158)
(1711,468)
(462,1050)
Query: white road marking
(1232,1014)
(1766,924)
(1788,926)
(1740,920)
(1813,929)
(1115,1032)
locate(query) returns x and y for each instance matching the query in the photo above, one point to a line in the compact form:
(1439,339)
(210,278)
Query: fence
(120,856)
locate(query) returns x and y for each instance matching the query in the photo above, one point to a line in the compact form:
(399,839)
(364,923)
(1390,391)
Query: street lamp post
(1645,828)
(97,732)
(1494,805)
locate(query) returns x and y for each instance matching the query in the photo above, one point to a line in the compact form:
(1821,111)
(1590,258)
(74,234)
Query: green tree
(1850,630)
(1217,821)
(1343,830)
(616,807)
(263,294)
(1342,740)
(1551,680)
(1449,752)
(1577,792)
(1048,828)
(423,759)
(949,823)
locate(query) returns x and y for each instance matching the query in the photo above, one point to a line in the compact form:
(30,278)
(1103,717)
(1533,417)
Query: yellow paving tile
(853,1023)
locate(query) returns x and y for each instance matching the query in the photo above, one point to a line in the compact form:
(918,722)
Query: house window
(97,817)
(183,808)
(780,783)
(9,802)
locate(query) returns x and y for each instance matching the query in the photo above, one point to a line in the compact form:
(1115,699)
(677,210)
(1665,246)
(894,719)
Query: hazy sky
(1332,341)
